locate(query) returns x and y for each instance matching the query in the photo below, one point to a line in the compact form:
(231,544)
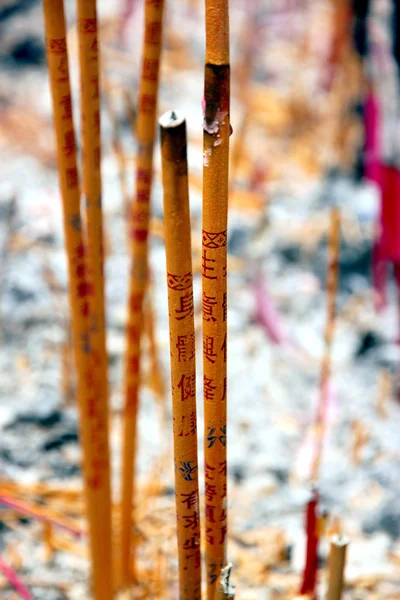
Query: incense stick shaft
(91,169)
(93,427)
(214,272)
(332,286)
(337,561)
(182,350)
(139,274)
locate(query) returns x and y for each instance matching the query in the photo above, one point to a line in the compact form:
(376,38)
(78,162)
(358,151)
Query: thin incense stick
(14,580)
(40,513)
(214,271)
(182,349)
(332,286)
(337,561)
(91,169)
(145,131)
(311,567)
(93,426)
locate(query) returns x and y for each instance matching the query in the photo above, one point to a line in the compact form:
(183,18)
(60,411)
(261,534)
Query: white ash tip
(172,118)
(340,540)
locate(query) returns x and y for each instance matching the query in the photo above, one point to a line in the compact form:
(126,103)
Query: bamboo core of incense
(216,127)
(182,349)
(139,227)
(93,426)
(337,562)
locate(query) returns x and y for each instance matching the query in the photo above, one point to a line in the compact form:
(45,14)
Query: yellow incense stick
(182,349)
(332,285)
(139,226)
(214,272)
(93,425)
(91,169)
(337,561)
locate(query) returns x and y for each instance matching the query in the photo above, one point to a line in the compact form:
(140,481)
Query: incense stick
(91,169)
(139,274)
(214,271)
(93,426)
(332,286)
(182,349)
(337,561)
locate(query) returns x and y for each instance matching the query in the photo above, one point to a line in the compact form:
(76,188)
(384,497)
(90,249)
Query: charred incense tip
(173,139)
(172,118)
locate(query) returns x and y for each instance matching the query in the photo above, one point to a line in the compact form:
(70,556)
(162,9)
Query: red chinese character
(147,104)
(208,349)
(134,365)
(192,521)
(210,492)
(66,103)
(80,271)
(69,143)
(143,176)
(135,302)
(209,389)
(153,33)
(150,69)
(224,530)
(62,70)
(210,517)
(196,557)
(190,499)
(133,333)
(192,543)
(209,537)
(208,307)
(207,471)
(143,196)
(186,347)
(186,307)
(187,385)
(72,178)
(207,266)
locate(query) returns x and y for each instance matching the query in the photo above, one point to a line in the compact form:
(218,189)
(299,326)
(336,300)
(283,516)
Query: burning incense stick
(139,275)
(337,561)
(182,347)
(91,169)
(332,285)
(93,424)
(214,271)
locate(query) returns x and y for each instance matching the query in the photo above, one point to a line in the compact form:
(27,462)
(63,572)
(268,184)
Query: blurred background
(316,121)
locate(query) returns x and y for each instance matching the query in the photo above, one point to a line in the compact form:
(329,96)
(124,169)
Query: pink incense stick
(22,508)
(14,580)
